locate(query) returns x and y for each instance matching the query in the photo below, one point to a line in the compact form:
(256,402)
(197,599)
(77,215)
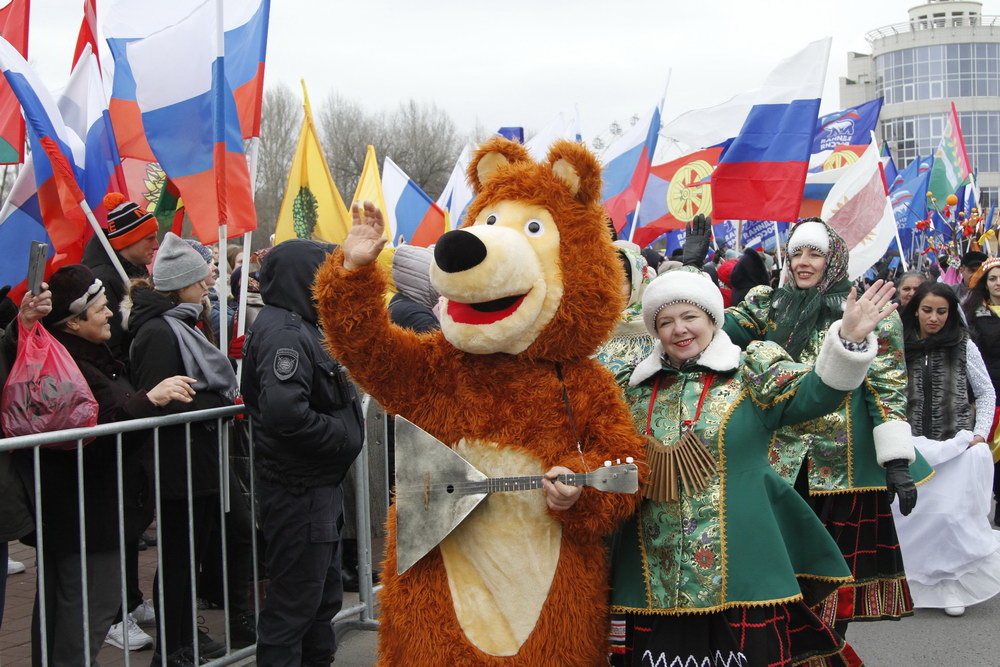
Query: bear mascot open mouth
(531,288)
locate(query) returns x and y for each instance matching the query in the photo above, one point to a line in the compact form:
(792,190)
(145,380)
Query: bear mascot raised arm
(531,287)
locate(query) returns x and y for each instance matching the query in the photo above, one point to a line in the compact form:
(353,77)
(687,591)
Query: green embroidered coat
(748,535)
(846,446)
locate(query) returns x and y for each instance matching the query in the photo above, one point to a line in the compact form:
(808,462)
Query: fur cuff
(894,440)
(840,369)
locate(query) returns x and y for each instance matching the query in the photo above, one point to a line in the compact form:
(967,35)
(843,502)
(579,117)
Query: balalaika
(436,489)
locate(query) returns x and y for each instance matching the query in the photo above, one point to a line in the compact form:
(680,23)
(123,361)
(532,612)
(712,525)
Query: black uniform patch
(286,362)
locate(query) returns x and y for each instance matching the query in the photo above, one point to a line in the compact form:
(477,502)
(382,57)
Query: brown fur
(513,400)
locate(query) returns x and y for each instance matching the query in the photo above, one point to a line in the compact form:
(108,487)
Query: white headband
(83,302)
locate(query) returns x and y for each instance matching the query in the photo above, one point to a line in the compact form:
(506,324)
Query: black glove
(899,482)
(696,240)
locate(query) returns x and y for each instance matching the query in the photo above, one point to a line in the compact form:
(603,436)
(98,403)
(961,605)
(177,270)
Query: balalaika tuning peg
(607,464)
(629,459)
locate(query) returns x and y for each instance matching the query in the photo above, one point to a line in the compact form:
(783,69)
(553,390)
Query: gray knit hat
(177,265)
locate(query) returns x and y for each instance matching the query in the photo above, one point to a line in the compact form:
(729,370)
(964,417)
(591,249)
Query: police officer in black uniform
(308,430)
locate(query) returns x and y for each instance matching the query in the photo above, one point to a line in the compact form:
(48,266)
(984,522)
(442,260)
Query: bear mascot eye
(534,227)
(491,220)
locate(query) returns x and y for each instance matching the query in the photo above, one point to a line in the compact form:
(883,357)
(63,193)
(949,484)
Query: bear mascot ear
(490,156)
(577,167)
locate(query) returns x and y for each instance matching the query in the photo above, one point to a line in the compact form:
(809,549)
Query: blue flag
(908,192)
(850,127)
(512,133)
(890,165)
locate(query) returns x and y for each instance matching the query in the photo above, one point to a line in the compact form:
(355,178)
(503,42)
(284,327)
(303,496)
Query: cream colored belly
(501,560)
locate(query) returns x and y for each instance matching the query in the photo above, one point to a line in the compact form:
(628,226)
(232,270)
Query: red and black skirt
(861,524)
(778,635)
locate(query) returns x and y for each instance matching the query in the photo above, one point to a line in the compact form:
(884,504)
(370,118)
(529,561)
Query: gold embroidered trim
(853,489)
(641,534)
(720,442)
(835,580)
(850,438)
(677,611)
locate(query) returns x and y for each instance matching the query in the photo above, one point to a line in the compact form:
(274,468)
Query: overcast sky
(520,62)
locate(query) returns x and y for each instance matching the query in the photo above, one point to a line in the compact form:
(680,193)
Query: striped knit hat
(127,223)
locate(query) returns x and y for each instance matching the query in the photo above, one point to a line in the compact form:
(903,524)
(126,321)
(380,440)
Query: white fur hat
(682,286)
(809,233)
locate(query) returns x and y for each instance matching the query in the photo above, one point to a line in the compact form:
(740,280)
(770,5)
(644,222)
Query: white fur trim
(894,440)
(812,234)
(840,368)
(721,355)
(688,286)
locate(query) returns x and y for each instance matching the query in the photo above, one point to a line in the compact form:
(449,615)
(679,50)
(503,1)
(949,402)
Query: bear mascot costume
(531,286)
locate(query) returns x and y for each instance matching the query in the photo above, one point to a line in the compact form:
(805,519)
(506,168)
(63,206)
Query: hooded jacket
(305,413)
(748,273)
(95,258)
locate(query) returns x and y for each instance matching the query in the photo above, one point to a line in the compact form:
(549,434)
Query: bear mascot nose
(459,250)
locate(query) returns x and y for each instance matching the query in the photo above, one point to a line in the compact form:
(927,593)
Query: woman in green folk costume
(712,568)
(858,451)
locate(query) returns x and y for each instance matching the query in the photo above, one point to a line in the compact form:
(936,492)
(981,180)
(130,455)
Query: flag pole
(635,220)
(899,247)
(220,176)
(241,313)
(777,246)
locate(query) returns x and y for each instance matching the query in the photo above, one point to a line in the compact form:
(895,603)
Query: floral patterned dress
(723,570)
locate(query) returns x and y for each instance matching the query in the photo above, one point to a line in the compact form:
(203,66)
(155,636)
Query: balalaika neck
(526,483)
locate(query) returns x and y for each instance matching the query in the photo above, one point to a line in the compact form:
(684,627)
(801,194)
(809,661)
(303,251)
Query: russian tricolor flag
(245,27)
(190,119)
(84,109)
(626,168)
(762,174)
(52,211)
(414,218)
(457,194)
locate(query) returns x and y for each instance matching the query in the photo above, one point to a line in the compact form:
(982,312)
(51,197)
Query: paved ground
(357,648)
(928,639)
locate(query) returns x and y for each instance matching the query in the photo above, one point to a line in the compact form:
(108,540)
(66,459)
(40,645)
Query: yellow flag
(370,187)
(312,207)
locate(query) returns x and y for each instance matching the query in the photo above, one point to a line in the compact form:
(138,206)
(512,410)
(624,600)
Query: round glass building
(948,51)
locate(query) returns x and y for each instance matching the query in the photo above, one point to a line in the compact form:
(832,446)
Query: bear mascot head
(533,271)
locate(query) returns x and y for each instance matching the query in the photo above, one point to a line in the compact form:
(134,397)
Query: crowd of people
(817,403)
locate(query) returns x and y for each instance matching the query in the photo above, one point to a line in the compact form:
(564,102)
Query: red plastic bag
(45,390)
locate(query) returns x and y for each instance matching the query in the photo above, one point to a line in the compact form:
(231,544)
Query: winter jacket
(306,416)
(95,257)
(985,330)
(409,314)
(16,515)
(155,356)
(117,401)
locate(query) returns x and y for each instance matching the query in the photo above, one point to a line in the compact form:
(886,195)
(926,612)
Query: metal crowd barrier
(358,616)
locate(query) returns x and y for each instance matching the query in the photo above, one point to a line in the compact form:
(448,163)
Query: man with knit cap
(131,233)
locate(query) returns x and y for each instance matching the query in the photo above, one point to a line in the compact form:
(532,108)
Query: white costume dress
(951,551)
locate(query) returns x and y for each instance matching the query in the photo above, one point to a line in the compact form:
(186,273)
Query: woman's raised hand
(176,388)
(366,239)
(35,306)
(862,315)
